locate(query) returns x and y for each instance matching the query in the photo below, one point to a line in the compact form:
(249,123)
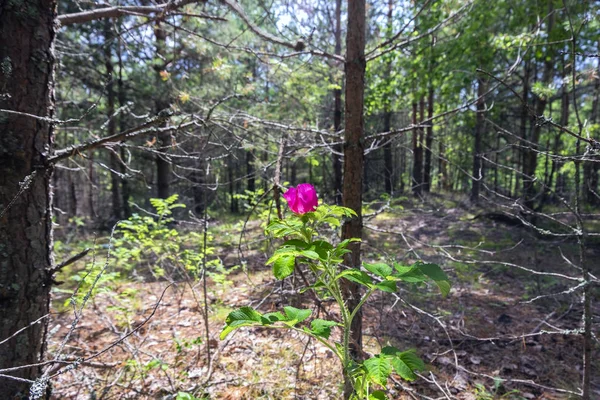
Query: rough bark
(388,159)
(337,111)
(477,140)
(592,167)
(112,123)
(531,151)
(250,172)
(125,188)
(26,85)
(428,143)
(354,159)
(163,164)
(417,167)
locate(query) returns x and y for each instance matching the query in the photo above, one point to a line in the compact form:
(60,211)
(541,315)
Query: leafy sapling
(304,246)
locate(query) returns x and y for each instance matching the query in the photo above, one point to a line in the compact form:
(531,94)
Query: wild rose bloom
(302,199)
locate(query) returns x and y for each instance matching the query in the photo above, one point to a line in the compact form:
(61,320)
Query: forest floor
(490,338)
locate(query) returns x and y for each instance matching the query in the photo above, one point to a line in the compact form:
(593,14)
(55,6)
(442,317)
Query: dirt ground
(503,332)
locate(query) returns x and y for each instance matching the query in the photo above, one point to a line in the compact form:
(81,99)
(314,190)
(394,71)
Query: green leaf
(434,272)
(413,275)
(300,244)
(378,395)
(379,269)
(322,327)
(284,266)
(405,363)
(244,316)
(378,369)
(402,269)
(388,286)
(310,254)
(272,317)
(295,315)
(356,276)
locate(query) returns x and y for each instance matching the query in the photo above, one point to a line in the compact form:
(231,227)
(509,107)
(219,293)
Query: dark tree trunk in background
(531,151)
(591,168)
(417,169)
(26,85)
(337,111)
(125,189)
(354,160)
(428,143)
(231,167)
(477,149)
(162,101)
(250,172)
(388,160)
(112,126)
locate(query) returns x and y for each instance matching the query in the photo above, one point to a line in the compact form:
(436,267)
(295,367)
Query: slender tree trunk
(477,161)
(26,46)
(531,151)
(250,172)
(353,161)
(417,168)
(112,126)
(162,101)
(592,167)
(337,111)
(388,161)
(125,189)
(428,142)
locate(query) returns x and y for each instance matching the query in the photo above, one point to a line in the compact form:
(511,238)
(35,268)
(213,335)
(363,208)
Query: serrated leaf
(244,316)
(434,272)
(310,254)
(402,269)
(272,317)
(295,315)
(378,395)
(378,369)
(380,269)
(356,276)
(406,363)
(322,327)
(284,266)
(388,286)
(413,275)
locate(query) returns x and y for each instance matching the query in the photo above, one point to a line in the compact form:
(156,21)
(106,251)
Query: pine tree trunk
(428,143)
(337,111)
(125,189)
(163,164)
(354,161)
(417,168)
(477,161)
(388,161)
(26,82)
(531,150)
(112,126)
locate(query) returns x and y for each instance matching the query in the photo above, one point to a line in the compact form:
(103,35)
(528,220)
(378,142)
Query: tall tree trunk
(417,168)
(162,101)
(125,189)
(477,161)
(112,126)
(428,142)
(353,161)
(250,171)
(531,151)
(592,167)
(26,82)
(387,114)
(337,111)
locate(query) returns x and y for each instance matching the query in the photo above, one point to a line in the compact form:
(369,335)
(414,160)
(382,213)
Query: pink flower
(302,199)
